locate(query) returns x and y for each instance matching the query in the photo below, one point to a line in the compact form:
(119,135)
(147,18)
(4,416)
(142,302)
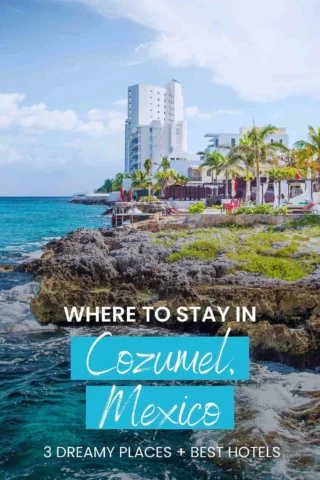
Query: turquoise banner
(167,408)
(159,358)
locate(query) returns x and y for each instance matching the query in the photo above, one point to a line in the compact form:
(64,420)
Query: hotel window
(217,142)
(233,142)
(280,140)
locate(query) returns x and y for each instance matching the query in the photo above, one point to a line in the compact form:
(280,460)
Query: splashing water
(40,405)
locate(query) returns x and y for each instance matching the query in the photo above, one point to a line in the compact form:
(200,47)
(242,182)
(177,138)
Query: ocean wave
(266,414)
(15,311)
(11,362)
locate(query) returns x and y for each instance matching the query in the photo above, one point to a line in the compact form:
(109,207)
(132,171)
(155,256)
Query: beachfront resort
(253,171)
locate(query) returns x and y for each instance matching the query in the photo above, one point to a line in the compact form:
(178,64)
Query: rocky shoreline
(172,265)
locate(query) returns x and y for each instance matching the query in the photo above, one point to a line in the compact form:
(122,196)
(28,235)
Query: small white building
(216,140)
(181,161)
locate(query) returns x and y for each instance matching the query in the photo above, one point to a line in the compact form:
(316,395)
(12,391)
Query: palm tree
(117,184)
(310,149)
(215,161)
(161,176)
(165,164)
(248,178)
(180,179)
(140,180)
(232,166)
(106,187)
(148,168)
(276,173)
(261,150)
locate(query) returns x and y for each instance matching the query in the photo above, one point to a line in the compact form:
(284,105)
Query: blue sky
(66,64)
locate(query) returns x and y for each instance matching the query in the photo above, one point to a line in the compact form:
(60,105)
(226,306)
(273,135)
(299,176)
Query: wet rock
(277,343)
(126,267)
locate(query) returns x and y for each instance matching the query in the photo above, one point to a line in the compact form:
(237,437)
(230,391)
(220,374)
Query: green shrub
(274,267)
(200,249)
(287,251)
(149,199)
(265,209)
(283,210)
(304,221)
(198,207)
(241,210)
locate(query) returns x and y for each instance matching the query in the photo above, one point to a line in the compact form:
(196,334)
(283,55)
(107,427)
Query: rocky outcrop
(128,267)
(143,207)
(278,343)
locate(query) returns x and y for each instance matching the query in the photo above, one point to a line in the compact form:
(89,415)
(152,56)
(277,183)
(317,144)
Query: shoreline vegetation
(168,264)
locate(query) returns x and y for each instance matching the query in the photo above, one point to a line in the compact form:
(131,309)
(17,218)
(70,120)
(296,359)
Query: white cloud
(122,102)
(37,118)
(8,154)
(194,112)
(264,53)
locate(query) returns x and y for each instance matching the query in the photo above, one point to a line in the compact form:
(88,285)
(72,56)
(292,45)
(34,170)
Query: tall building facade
(155,125)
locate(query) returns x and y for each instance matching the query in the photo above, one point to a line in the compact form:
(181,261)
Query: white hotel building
(232,139)
(155,126)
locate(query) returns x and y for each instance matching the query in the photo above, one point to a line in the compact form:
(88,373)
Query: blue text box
(147,408)
(198,358)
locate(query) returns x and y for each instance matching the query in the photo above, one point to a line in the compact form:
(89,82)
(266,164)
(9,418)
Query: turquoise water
(40,406)
(26,224)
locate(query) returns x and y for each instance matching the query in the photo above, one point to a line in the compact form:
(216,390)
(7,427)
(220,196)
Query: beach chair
(312,208)
(228,207)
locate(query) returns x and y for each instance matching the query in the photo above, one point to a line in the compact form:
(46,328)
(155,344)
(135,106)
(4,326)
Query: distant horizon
(35,196)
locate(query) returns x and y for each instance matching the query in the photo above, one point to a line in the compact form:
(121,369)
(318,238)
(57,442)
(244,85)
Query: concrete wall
(185,204)
(200,220)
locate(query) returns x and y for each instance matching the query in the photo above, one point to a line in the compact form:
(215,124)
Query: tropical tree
(148,168)
(106,187)
(140,180)
(275,173)
(180,179)
(165,164)
(258,147)
(248,177)
(117,183)
(309,150)
(232,166)
(215,161)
